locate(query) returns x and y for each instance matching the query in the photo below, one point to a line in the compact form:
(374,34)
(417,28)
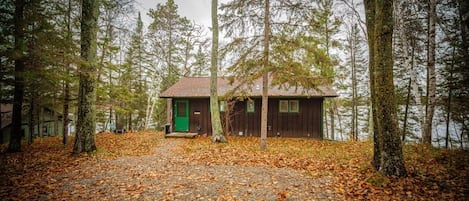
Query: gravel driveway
(165,175)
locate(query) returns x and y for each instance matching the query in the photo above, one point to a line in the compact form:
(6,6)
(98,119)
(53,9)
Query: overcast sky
(194,10)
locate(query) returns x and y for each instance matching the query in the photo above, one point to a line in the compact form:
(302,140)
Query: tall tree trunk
(463,8)
(370,7)
(1,130)
(415,91)
(390,159)
(56,123)
(129,122)
(38,123)
(370,119)
(332,112)
(85,140)
(354,84)
(265,77)
(406,111)
(326,124)
(448,104)
(409,90)
(31,118)
(431,79)
(217,130)
(66,81)
(339,119)
(408,61)
(147,112)
(15,135)
(65,109)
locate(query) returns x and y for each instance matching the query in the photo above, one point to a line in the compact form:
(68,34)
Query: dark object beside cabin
(119,128)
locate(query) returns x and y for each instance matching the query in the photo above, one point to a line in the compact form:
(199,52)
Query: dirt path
(164,175)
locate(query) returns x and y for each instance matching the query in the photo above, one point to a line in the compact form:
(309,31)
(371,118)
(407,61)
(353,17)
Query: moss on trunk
(86,125)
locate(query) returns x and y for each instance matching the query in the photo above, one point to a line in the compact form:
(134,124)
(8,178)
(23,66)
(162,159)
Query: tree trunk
(129,122)
(326,124)
(448,104)
(265,77)
(354,84)
(370,119)
(431,79)
(1,130)
(65,112)
(15,135)
(56,123)
(66,81)
(217,131)
(406,112)
(147,112)
(150,113)
(339,119)
(409,90)
(332,112)
(408,61)
(370,9)
(86,124)
(31,119)
(463,9)
(38,123)
(390,159)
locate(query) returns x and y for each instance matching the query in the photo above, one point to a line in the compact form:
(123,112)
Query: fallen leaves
(340,170)
(31,174)
(433,173)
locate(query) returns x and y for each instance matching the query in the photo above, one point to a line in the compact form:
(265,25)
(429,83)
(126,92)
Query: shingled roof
(199,87)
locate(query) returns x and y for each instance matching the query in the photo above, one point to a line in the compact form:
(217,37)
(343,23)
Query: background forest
(136,61)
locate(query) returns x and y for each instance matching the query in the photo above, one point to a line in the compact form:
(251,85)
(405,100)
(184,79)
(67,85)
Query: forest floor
(146,166)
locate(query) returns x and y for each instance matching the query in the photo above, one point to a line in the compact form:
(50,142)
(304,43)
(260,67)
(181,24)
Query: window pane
(181,110)
(222,106)
(294,106)
(250,106)
(283,106)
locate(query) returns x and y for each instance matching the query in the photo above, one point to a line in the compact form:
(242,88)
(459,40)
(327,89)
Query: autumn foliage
(434,174)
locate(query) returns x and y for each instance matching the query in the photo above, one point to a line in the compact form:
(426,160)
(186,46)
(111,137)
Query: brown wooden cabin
(292,112)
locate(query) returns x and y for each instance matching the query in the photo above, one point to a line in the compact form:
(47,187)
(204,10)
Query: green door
(181,116)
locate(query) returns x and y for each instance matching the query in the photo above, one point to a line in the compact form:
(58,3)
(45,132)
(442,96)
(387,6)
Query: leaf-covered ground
(146,166)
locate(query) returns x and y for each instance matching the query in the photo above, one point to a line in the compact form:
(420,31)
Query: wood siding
(306,123)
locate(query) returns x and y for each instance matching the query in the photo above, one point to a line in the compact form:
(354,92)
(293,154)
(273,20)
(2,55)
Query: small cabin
(292,112)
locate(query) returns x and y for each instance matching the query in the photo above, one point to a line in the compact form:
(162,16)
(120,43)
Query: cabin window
(294,106)
(283,106)
(250,106)
(222,105)
(289,106)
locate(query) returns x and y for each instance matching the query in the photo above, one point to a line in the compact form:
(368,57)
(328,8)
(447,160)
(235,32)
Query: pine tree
(16,133)
(86,124)
(166,34)
(266,46)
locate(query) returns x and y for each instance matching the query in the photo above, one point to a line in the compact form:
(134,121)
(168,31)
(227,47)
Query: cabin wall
(305,123)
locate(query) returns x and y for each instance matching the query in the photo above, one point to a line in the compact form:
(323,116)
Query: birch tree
(406,41)
(431,76)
